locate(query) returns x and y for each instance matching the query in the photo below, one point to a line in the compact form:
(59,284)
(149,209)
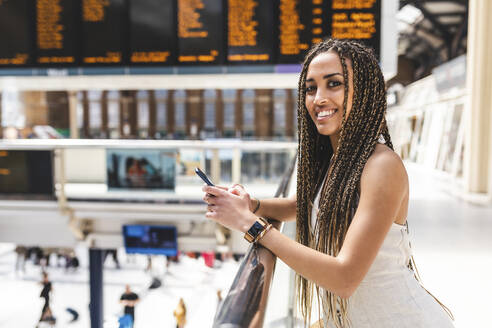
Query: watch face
(255,229)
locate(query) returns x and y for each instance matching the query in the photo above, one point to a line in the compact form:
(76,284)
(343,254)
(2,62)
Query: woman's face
(325,92)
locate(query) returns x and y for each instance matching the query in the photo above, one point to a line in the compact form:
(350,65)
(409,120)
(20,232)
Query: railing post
(60,179)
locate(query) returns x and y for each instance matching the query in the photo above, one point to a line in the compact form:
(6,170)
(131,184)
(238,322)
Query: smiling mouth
(326,114)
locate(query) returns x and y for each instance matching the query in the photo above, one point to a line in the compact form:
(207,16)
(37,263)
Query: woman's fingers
(209,199)
(215,191)
(210,215)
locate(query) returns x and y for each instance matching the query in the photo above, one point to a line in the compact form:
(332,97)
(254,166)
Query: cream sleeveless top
(389,296)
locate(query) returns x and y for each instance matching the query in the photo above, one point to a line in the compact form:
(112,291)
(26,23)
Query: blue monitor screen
(146,239)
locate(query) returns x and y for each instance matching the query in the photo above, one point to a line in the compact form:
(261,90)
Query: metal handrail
(49,144)
(245,304)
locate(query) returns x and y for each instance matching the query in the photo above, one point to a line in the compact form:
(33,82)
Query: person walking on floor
(46,314)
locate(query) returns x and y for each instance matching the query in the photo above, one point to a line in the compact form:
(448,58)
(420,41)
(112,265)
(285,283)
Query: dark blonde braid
(359,134)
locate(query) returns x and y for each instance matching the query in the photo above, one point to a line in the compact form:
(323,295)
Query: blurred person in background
(180,314)
(129,299)
(46,314)
(352,249)
(20,260)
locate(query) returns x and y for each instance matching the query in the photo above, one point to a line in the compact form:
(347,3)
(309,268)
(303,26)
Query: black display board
(301,24)
(358,20)
(15,33)
(86,33)
(251,30)
(200,32)
(57,34)
(152,32)
(104,29)
(26,172)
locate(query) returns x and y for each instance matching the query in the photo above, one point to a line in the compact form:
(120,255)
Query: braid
(360,131)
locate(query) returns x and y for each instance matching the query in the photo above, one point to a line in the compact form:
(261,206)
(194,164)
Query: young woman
(352,247)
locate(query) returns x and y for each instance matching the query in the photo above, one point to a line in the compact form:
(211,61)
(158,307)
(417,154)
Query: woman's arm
(384,186)
(280,209)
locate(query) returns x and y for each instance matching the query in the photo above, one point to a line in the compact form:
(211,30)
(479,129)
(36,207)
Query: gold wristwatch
(257,230)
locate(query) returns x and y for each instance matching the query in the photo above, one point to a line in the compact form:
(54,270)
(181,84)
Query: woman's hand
(231,207)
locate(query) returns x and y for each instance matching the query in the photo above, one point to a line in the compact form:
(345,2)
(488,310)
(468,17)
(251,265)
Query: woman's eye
(333,84)
(310,89)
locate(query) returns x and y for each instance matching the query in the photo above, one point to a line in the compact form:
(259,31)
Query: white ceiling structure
(432,32)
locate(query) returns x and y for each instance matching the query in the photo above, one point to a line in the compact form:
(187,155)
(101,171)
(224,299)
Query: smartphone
(203,176)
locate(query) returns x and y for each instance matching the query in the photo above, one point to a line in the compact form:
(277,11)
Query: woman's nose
(320,99)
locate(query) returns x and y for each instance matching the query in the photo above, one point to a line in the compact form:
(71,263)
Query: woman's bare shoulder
(385,166)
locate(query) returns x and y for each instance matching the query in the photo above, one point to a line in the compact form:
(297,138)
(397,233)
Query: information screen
(152,32)
(301,24)
(149,169)
(104,31)
(26,172)
(146,239)
(356,20)
(56,32)
(200,32)
(87,33)
(250,31)
(15,33)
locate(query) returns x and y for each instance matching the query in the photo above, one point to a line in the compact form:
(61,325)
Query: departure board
(357,20)
(200,32)
(250,31)
(26,172)
(104,24)
(15,35)
(302,23)
(122,33)
(56,34)
(152,32)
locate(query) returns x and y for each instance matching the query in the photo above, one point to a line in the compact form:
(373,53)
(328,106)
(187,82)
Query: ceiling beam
(459,36)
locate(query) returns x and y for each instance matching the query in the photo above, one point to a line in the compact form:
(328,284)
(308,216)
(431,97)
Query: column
(477,170)
(104,114)
(133,113)
(238,113)
(96,287)
(72,114)
(152,114)
(86,116)
(170,113)
(219,113)
(289,113)
(123,127)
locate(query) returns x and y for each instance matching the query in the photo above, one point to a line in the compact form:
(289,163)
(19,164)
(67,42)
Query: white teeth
(326,113)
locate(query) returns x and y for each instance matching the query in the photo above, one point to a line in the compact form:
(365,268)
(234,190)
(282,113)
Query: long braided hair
(359,133)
